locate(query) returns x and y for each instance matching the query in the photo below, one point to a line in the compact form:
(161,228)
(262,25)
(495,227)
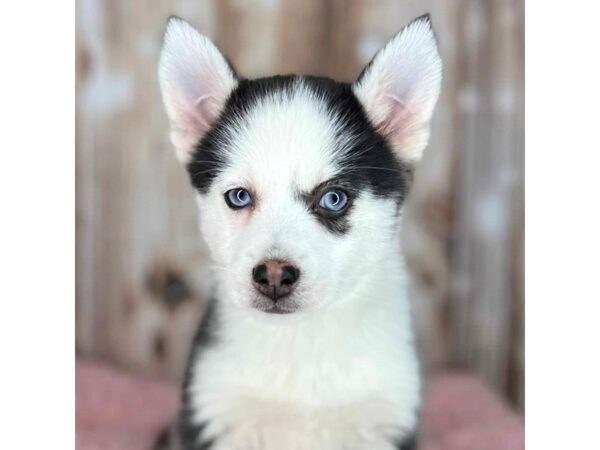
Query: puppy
(300,183)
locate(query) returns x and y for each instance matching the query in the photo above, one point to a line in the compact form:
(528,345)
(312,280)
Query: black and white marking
(301,175)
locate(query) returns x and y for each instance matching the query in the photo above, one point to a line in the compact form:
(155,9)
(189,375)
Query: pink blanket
(116,411)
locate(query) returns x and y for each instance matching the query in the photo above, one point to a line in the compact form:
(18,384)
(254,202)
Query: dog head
(299,179)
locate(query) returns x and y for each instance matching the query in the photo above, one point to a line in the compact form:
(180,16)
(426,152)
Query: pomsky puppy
(300,183)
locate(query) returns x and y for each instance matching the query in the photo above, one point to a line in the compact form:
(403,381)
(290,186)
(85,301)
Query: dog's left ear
(400,86)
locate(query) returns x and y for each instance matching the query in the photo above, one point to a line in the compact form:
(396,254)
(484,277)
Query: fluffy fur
(339,370)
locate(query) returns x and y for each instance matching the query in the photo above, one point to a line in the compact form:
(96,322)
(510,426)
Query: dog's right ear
(195,80)
(400,87)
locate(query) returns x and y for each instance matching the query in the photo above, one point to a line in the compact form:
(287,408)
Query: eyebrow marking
(336,223)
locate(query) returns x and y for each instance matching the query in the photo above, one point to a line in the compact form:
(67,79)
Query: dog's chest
(251,423)
(306,392)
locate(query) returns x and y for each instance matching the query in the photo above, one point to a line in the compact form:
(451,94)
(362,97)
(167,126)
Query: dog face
(299,180)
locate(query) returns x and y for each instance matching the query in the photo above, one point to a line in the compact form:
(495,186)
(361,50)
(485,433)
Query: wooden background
(141,267)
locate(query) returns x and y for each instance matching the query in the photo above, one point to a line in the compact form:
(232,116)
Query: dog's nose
(275,278)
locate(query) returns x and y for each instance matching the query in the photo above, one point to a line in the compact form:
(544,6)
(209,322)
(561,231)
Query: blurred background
(142,280)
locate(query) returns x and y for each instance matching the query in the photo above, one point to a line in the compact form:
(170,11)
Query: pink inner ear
(203,114)
(396,116)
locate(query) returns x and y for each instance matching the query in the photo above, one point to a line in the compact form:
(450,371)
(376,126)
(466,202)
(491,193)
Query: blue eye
(334,201)
(238,198)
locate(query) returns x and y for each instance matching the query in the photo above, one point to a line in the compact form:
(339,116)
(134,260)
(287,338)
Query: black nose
(275,278)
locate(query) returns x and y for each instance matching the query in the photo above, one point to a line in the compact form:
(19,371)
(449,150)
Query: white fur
(345,376)
(401,87)
(341,372)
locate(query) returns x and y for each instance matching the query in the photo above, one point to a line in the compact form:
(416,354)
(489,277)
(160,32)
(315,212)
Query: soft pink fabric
(116,411)
(461,413)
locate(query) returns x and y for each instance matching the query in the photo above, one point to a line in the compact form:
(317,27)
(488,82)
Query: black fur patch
(190,433)
(337,223)
(190,437)
(164,440)
(408,443)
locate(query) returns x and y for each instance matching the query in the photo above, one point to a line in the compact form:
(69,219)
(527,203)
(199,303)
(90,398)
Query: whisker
(354,168)
(196,161)
(204,171)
